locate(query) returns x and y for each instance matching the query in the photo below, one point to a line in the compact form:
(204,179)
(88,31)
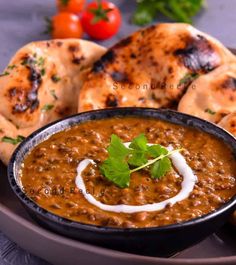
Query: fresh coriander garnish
(188,78)
(13,141)
(35,61)
(53,93)
(176,10)
(42,71)
(5,73)
(55,78)
(24,61)
(40,61)
(11,66)
(123,161)
(210,111)
(47,107)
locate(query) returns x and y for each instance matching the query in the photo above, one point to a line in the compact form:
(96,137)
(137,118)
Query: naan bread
(151,68)
(229,123)
(211,96)
(41,84)
(6,149)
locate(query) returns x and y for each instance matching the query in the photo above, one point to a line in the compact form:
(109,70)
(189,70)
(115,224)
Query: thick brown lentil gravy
(49,171)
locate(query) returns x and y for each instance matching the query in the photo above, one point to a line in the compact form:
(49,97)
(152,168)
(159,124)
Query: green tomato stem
(150,162)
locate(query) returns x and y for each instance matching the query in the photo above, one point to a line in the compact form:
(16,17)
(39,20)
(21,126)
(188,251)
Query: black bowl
(154,241)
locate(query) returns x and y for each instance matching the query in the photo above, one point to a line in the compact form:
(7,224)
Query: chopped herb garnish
(29,61)
(13,141)
(42,71)
(55,78)
(47,107)
(11,66)
(25,61)
(123,161)
(33,61)
(210,111)
(5,73)
(188,78)
(40,61)
(53,93)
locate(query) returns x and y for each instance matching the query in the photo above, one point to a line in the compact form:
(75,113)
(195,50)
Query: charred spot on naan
(58,43)
(63,111)
(229,123)
(119,76)
(220,115)
(111,101)
(124,42)
(228,87)
(73,48)
(26,98)
(75,51)
(78,60)
(232,124)
(198,55)
(107,58)
(229,83)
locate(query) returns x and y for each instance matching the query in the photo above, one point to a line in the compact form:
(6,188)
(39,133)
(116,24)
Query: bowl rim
(38,210)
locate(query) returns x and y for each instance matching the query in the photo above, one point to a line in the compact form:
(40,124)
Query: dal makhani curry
(130,172)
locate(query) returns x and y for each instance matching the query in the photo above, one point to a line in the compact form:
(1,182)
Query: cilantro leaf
(40,61)
(55,78)
(157,150)
(139,143)
(11,66)
(144,13)
(210,111)
(53,94)
(13,141)
(5,73)
(138,158)
(160,168)
(176,10)
(47,107)
(116,167)
(117,171)
(116,148)
(138,153)
(188,78)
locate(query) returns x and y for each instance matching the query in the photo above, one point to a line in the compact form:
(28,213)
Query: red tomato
(72,6)
(101,20)
(66,25)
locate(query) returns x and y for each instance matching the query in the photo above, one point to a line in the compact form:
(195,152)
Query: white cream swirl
(187,186)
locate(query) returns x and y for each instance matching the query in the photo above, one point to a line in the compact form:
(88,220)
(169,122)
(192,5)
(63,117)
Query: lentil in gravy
(49,171)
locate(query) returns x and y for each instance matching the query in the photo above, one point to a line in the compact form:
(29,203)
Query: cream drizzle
(187,186)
